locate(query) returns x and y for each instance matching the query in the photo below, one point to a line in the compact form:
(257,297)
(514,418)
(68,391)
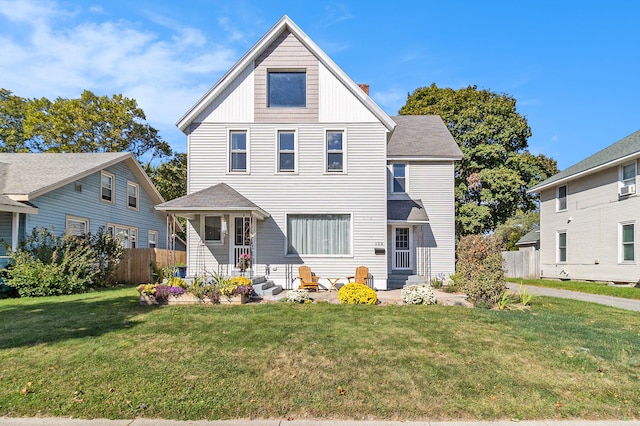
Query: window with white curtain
(319,234)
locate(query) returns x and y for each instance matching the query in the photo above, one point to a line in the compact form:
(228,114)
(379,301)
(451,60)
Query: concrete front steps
(264,287)
(397,280)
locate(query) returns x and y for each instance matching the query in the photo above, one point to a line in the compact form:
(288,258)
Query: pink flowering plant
(244,261)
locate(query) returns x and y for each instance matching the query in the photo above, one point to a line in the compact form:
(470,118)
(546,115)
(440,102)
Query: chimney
(365,88)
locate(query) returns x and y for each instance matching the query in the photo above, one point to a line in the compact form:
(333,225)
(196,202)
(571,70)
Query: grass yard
(102,355)
(584,287)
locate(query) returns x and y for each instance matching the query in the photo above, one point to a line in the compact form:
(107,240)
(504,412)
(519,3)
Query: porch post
(15,227)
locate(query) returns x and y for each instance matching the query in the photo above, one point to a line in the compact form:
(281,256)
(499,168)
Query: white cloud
(391,100)
(53,57)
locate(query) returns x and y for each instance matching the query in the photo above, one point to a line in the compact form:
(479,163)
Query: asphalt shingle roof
(530,237)
(422,136)
(406,211)
(25,173)
(624,147)
(216,197)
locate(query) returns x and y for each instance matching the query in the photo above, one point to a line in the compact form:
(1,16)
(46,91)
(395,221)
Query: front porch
(12,215)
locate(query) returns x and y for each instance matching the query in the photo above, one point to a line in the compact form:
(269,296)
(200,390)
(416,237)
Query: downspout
(15,227)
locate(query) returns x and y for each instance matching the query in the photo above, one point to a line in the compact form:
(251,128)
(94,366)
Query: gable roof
(220,197)
(29,175)
(531,237)
(285,23)
(621,151)
(424,136)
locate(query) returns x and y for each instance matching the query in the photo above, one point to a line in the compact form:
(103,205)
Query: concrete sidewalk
(618,302)
(60,421)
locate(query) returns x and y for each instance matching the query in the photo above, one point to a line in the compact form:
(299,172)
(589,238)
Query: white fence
(522,264)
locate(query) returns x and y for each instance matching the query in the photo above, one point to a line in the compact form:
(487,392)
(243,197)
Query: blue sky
(572,66)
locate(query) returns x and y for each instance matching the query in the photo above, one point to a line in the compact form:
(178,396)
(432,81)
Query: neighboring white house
(292,162)
(589,217)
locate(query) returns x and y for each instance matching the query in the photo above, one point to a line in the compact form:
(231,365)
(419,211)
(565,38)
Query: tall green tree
(90,123)
(12,115)
(516,227)
(492,178)
(169,177)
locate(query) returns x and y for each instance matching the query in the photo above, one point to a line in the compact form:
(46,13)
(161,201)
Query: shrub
(357,294)
(244,281)
(298,296)
(479,269)
(418,295)
(47,264)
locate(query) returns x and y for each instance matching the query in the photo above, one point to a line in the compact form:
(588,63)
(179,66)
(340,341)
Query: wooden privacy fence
(135,266)
(522,264)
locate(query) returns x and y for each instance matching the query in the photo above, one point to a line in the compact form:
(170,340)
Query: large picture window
(319,234)
(287,89)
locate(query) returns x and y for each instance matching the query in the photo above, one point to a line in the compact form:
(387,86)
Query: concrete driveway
(618,302)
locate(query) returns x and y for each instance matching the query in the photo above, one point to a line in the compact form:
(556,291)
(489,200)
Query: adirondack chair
(362,273)
(307,279)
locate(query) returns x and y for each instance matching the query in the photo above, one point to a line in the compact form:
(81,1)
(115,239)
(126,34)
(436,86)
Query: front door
(402,247)
(241,238)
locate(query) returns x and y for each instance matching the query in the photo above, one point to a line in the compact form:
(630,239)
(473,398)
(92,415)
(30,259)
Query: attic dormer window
(287,89)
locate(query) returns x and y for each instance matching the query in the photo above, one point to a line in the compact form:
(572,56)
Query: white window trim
(326,151)
(306,87)
(406,178)
(621,175)
(137,207)
(310,256)
(621,244)
(113,187)
(76,219)
(295,152)
(566,197)
(566,242)
(202,229)
(156,236)
(248,151)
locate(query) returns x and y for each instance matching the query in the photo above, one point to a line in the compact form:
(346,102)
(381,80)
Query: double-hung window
(561,198)
(107,187)
(153,239)
(627,242)
(562,246)
(287,89)
(319,234)
(238,151)
(335,151)
(286,151)
(212,229)
(399,182)
(78,226)
(133,191)
(628,179)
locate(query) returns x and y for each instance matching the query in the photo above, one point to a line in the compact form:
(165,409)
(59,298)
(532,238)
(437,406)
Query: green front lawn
(102,355)
(584,287)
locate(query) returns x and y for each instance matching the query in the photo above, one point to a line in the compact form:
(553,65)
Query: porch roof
(409,211)
(216,198)
(9,205)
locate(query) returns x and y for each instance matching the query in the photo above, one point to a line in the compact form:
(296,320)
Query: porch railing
(403,259)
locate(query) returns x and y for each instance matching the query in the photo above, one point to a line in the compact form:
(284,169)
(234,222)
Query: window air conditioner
(628,190)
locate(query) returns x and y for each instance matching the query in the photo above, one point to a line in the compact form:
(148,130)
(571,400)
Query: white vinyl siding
(337,103)
(362,192)
(593,229)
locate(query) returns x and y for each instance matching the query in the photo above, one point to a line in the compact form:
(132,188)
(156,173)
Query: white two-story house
(589,217)
(292,162)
